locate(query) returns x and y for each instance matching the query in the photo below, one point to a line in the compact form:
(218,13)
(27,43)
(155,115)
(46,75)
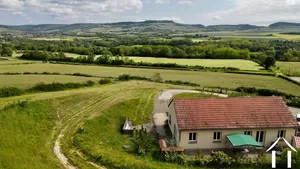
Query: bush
(142,143)
(126,77)
(221,160)
(11,91)
(105,81)
(179,82)
(81,74)
(58,86)
(90,83)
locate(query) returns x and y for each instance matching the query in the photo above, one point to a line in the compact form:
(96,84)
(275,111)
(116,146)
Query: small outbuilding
(127,127)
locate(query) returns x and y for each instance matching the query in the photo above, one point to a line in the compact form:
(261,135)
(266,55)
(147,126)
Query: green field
(205,79)
(241,64)
(16,62)
(26,81)
(289,37)
(289,68)
(29,130)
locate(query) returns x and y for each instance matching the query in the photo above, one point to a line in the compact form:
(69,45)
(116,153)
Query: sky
(207,12)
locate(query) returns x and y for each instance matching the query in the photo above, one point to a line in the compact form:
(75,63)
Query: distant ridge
(284,24)
(148,26)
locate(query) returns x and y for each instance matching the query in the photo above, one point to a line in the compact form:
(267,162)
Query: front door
(260,137)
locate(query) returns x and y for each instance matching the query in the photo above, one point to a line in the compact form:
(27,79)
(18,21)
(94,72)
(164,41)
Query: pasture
(289,68)
(241,64)
(27,81)
(205,79)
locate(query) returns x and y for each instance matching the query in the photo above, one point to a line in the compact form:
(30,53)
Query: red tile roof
(297,141)
(231,113)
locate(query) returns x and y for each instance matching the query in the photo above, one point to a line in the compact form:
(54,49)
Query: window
(217,136)
(192,137)
(281,133)
(248,133)
(260,137)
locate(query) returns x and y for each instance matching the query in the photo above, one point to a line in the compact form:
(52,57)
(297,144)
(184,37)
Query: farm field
(15,62)
(241,64)
(27,81)
(289,37)
(205,79)
(67,38)
(290,68)
(47,115)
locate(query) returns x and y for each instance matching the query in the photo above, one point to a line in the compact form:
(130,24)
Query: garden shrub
(142,143)
(221,160)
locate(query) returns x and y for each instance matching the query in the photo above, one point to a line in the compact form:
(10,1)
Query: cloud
(185,2)
(170,1)
(256,12)
(11,5)
(175,19)
(72,10)
(162,1)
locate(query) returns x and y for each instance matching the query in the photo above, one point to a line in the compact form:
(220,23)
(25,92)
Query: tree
(156,77)
(7,51)
(105,58)
(269,62)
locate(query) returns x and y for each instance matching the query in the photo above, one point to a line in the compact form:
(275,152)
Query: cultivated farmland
(205,79)
(241,64)
(290,68)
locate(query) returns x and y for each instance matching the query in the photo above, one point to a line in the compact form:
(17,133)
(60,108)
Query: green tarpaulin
(239,140)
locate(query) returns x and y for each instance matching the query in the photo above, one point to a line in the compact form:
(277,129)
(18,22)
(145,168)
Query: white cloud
(171,1)
(256,12)
(185,2)
(175,19)
(72,10)
(162,1)
(11,5)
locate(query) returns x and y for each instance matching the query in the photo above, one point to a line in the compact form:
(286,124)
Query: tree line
(159,47)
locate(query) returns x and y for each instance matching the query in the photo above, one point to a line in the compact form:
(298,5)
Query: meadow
(241,64)
(205,79)
(29,129)
(290,68)
(27,81)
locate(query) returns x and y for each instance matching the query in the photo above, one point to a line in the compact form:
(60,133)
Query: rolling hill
(150,26)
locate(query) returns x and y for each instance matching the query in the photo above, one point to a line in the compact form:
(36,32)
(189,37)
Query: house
(219,123)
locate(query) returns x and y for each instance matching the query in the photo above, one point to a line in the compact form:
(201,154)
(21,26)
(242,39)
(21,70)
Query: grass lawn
(289,68)
(205,79)
(26,81)
(241,64)
(28,131)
